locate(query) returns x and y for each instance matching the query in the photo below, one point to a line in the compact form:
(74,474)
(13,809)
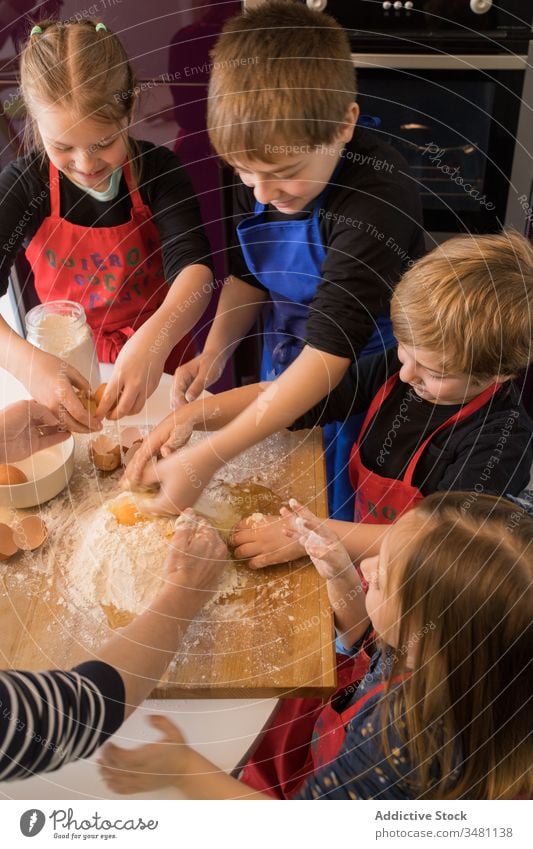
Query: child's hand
(262,541)
(197,556)
(136,376)
(148,767)
(181,478)
(169,435)
(323,546)
(193,377)
(52,382)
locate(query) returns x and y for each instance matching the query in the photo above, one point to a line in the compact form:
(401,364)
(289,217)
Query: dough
(224,504)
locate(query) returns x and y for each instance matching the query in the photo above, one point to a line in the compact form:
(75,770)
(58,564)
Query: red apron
(330,729)
(380,500)
(301,732)
(283,758)
(115,273)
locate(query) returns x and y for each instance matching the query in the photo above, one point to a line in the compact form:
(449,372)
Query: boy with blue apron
(287,257)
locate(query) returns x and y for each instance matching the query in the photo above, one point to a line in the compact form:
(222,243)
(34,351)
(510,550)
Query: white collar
(110,193)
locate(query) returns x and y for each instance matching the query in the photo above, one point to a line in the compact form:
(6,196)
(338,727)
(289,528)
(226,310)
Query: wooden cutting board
(273,636)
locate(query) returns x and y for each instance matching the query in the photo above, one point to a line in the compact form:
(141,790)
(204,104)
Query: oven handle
(430,61)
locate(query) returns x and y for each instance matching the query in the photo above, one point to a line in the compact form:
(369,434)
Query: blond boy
(463,319)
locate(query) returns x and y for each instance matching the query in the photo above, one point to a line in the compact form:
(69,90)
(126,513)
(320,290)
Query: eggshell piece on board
(104,453)
(30,533)
(8,546)
(129,436)
(10,476)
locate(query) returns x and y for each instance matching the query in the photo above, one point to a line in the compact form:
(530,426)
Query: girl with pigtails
(105,220)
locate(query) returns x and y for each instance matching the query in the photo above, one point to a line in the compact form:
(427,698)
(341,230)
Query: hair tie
(100,26)
(36,30)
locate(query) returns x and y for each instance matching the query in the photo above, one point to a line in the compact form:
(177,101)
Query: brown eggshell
(104,453)
(129,436)
(30,533)
(130,453)
(10,476)
(99,394)
(88,401)
(8,546)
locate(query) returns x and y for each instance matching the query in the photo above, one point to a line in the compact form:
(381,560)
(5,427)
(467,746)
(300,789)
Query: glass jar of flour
(60,328)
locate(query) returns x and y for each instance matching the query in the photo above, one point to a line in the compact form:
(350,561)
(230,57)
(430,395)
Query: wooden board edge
(176,692)
(327,626)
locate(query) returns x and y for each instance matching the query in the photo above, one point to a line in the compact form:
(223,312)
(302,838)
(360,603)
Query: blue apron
(287,257)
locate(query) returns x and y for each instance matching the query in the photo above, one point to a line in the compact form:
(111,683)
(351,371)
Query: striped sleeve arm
(48,719)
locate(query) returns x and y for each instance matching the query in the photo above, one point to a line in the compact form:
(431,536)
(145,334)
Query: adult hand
(27,427)
(53,382)
(197,555)
(136,376)
(193,377)
(263,542)
(149,767)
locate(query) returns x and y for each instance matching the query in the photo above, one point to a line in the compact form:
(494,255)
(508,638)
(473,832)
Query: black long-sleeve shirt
(164,186)
(491,449)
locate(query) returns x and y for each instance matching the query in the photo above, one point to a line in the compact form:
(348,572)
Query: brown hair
(471,300)
(281,73)
(463,583)
(81,69)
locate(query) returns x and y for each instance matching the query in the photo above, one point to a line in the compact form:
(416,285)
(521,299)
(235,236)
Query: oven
(443,82)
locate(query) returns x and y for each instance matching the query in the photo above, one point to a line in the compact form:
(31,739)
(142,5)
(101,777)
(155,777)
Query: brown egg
(8,546)
(88,401)
(99,394)
(10,476)
(104,453)
(30,533)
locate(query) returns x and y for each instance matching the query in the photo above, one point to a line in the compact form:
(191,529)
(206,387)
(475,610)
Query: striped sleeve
(48,719)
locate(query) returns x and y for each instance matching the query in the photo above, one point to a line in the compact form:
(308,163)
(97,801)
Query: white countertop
(221,729)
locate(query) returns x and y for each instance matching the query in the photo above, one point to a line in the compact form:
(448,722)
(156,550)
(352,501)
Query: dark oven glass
(457,131)
(450,25)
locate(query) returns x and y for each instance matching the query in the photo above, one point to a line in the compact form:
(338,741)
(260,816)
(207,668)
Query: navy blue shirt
(361,770)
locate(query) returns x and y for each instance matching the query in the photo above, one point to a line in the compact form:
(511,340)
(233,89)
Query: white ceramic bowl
(48,473)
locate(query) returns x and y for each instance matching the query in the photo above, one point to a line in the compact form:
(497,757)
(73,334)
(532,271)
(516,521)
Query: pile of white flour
(94,562)
(117,564)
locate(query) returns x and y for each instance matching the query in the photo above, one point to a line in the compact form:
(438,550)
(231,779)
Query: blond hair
(463,585)
(281,73)
(81,69)
(470,300)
